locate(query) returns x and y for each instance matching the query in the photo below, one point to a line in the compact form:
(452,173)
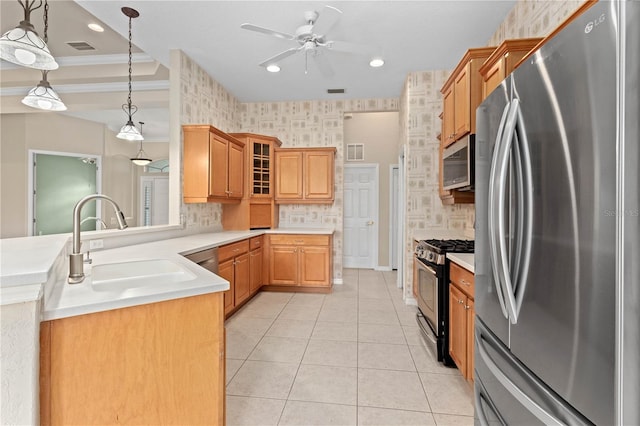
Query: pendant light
(141,159)
(129,130)
(23,46)
(43,96)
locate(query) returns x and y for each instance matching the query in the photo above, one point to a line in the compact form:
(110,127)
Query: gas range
(434,251)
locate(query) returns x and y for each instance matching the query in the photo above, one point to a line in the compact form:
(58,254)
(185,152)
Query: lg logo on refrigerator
(591,25)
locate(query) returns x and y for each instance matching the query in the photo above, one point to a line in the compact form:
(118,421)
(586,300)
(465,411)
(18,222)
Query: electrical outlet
(96,244)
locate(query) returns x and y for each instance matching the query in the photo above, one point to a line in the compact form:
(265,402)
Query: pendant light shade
(129,131)
(23,46)
(44,97)
(141,159)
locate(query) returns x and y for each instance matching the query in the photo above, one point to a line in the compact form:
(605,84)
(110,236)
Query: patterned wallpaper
(205,101)
(312,123)
(533,19)
(420,107)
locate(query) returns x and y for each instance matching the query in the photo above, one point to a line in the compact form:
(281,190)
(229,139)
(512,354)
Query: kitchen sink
(139,273)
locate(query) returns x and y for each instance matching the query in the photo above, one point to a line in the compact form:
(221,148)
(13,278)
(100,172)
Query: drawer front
(234,249)
(255,242)
(462,278)
(298,240)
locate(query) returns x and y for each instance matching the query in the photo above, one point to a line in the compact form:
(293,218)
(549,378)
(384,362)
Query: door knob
(370,222)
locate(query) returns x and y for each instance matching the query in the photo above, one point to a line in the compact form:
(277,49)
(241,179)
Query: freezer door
(507,393)
(564,331)
(491,117)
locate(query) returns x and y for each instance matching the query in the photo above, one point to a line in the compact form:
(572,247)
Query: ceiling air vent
(81,45)
(332,91)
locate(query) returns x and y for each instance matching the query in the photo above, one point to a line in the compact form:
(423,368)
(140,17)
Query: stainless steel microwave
(458,164)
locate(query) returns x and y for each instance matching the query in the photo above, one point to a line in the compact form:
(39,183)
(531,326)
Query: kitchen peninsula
(83,322)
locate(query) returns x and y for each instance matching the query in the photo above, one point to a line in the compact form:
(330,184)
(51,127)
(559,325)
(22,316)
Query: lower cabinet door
(241,279)
(314,266)
(226,270)
(471,326)
(457,328)
(283,265)
(255,270)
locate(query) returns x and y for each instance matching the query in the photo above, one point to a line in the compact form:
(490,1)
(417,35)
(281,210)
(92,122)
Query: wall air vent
(333,91)
(355,152)
(81,45)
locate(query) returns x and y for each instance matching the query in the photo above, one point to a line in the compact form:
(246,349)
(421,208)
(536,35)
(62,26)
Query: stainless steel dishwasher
(208,259)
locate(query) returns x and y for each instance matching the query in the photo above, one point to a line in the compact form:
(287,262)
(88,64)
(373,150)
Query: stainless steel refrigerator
(557,230)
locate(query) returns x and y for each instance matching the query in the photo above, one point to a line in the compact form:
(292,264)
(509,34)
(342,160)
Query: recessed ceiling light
(273,68)
(96,27)
(375,63)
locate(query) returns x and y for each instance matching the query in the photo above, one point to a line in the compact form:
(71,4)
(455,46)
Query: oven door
(428,294)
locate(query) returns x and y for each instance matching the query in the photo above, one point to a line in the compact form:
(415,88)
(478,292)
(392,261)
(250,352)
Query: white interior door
(360,215)
(394,210)
(154,200)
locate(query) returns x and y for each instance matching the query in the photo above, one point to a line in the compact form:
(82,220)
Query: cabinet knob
(467,307)
(465,282)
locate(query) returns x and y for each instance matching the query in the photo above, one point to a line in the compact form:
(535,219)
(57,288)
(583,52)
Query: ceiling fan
(312,40)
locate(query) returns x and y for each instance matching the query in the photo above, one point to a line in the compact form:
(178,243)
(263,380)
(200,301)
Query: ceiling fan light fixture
(44,97)
(273,68)
(376,63)
(22,45)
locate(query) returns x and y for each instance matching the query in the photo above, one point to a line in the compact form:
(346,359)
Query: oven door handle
(430,269)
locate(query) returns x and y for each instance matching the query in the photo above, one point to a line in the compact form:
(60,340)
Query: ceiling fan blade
(326,20)
(346,47)
(267,31)
(280,56)
(323,64)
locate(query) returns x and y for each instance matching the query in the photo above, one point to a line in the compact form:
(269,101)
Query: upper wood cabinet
(305,175)
(503,61)
(213,164)
(257,208)
(462,94)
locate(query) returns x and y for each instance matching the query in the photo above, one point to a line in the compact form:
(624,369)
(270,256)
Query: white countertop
(466,260)
(32,260)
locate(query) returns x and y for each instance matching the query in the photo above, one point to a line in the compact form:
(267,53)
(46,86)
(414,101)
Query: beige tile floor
(352,357)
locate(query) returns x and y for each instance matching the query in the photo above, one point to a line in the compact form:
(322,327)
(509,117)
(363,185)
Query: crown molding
(85,60)
(137,86)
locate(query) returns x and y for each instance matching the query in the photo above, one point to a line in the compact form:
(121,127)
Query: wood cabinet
(234,267)
(304,176)
(461,94)
(303,261)
(213,166)
(461,319)
(255,264)
(158,363)
(257,209)
(503,61)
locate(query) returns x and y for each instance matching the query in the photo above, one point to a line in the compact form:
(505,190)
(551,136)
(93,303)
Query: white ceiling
(409,35)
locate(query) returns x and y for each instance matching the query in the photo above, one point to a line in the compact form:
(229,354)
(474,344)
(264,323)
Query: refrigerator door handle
(511,387)
(525,225)
(496,260)
(499,206)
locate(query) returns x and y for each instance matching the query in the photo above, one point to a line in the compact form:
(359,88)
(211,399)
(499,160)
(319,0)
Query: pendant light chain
(46,21)
(130,70)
